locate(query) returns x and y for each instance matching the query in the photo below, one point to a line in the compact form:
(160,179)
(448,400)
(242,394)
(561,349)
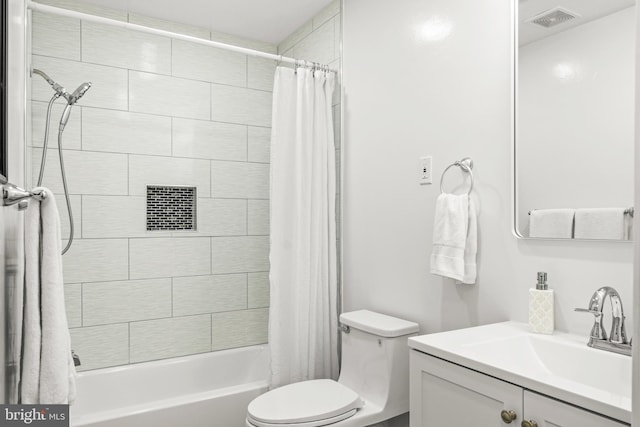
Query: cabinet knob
(508,416)
(529,423)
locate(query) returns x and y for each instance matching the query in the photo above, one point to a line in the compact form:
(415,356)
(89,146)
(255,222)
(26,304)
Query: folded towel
(555,223)
(48,375)
(455,238)
(601,223)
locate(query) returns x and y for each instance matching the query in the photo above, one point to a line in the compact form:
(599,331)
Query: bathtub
(205,390)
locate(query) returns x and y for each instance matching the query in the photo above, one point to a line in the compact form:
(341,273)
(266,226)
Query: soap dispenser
(541,318)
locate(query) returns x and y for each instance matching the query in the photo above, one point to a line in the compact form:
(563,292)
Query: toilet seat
(312,403)
(319,423)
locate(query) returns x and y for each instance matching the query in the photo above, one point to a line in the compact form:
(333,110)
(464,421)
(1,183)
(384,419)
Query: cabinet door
(447,395)
(547,412)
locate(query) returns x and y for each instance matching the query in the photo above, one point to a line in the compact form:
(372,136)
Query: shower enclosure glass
(167,160)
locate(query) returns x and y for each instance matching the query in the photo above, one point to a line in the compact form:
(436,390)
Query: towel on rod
(455,238)
(48,373)
(552,223)
(601,223)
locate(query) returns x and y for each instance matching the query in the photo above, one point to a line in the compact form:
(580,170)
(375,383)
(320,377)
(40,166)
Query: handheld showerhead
(71,100)
(78,93)
(60,90)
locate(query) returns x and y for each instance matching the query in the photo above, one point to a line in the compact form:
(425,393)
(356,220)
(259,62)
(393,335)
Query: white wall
(407,97)
(575,117)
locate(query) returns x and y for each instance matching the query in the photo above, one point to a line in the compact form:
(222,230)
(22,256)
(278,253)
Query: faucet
(76,358)
(617,341)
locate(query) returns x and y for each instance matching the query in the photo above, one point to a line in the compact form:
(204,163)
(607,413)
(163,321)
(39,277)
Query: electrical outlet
(426,170)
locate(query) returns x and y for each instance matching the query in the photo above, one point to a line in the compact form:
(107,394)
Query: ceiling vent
(552,17)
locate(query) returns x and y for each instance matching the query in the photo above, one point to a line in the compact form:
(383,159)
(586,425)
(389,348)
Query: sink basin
(560,365)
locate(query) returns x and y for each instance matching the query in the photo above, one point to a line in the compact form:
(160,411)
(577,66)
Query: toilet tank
(375,358)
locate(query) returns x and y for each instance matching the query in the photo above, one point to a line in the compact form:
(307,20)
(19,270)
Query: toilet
(373,384)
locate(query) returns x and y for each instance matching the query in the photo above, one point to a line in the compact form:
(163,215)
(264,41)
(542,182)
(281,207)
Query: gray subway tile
(96,260)
(57,36)
(222,217)
(239,180)
(209,140)
(239,328)
(258,217)
(125,301)
(209,294)
(199,62)
(120,47)
(259,144)
(260,73)
(87,172)
(73,304)
(114,216)
(239,254)
(258,288)
(169,257)
(125,132)
(164,338)
(240,105)
(171,171)
(101,346)
(169,96)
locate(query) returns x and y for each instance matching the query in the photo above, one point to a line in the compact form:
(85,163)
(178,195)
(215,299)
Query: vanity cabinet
(548,412)
(444,394)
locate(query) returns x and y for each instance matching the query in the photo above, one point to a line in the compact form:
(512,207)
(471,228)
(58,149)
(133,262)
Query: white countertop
(558,365)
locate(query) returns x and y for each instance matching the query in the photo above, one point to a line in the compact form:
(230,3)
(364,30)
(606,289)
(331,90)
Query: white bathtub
(206,390)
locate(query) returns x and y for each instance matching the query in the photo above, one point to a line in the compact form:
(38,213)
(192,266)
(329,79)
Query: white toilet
(373,384)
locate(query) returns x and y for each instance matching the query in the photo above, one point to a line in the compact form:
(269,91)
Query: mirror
(3,93)
(574,110)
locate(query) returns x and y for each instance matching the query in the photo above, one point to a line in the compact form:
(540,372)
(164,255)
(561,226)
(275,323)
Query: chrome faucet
(617,341)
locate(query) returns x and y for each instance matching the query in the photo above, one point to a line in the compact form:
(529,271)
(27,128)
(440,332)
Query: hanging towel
(455,238)
(553,223)
(600,223)
(48,373)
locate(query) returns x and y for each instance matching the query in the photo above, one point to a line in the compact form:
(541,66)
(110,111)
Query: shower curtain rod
(113,22)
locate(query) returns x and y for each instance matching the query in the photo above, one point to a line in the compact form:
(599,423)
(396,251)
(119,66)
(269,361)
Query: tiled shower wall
(163,112)
(160,112)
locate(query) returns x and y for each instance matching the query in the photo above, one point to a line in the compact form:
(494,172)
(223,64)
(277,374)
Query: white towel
(601,223)
(553,223)
(455,238)
(48,374)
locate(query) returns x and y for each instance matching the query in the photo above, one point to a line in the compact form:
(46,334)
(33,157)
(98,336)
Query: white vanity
(500,374)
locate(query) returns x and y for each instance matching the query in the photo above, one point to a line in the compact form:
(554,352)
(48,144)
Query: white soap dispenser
(541,318)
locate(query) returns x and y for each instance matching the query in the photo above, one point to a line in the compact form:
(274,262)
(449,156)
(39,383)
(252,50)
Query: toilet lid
(304,402)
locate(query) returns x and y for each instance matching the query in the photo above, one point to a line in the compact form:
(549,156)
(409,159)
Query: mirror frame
(3,92)
(514,138)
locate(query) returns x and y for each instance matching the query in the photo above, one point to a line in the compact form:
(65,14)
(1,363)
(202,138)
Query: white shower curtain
(303,277)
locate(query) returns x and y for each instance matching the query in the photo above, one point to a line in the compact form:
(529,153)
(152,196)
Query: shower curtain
(303,277)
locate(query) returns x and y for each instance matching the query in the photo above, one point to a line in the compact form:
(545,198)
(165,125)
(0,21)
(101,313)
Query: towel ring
(466,164)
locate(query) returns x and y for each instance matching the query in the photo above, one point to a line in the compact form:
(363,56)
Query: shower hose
(62,171)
